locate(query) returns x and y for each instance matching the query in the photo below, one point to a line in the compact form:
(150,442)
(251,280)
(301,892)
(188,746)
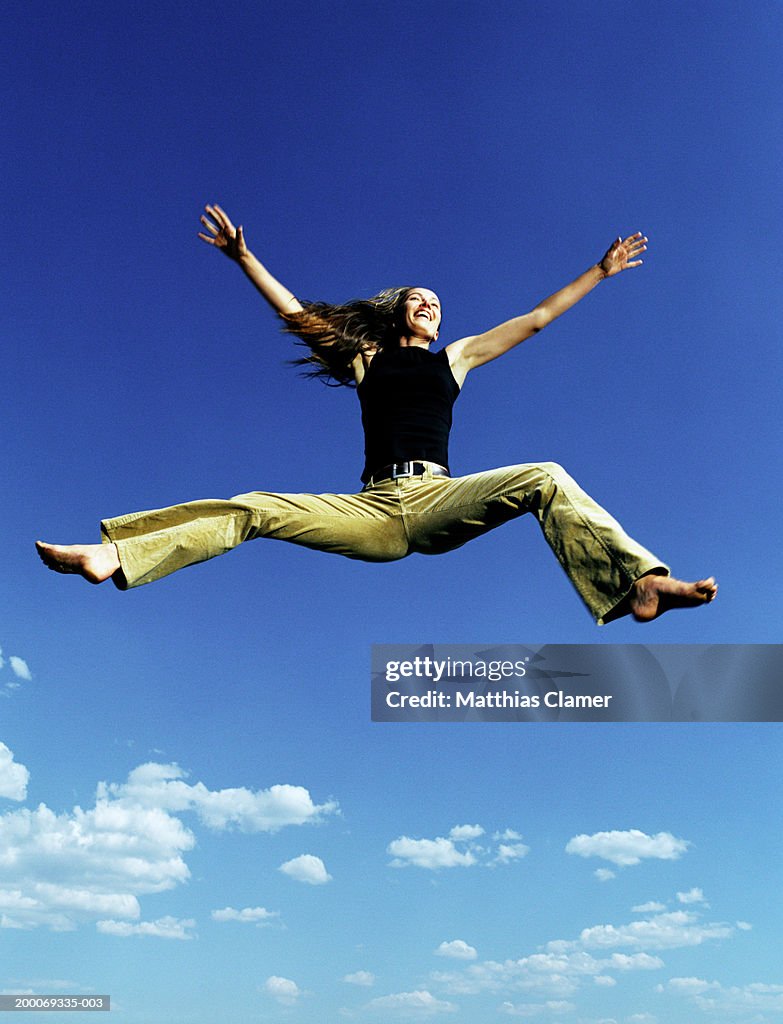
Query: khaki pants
(390,520)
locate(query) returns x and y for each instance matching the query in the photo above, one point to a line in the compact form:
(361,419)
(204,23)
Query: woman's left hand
(622,254)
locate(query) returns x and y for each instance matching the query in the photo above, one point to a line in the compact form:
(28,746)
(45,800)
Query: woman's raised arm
(222,234)
(478,349)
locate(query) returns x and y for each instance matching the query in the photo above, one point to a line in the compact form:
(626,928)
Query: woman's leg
(605,565)
(150,545)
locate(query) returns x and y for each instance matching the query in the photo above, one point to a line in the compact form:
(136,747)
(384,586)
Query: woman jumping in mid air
(410,502)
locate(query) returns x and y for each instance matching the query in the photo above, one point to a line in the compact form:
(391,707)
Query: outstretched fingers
(221,233)
(222,218)
(211,228)
(635,245)
(623,253)
(217,234)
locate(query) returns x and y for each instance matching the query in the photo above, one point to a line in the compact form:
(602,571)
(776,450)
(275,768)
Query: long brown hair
(335,335)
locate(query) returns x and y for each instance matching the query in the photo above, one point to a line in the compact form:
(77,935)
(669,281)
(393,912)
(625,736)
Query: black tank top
(406,395)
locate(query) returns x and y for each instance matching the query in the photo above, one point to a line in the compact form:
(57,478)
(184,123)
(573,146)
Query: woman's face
(422,314)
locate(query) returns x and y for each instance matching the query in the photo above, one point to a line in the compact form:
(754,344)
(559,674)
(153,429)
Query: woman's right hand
(222,233)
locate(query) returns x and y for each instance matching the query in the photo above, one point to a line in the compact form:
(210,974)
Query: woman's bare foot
(94,562)
(653,595)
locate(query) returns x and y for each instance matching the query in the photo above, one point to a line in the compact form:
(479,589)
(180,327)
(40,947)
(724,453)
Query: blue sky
(196,813)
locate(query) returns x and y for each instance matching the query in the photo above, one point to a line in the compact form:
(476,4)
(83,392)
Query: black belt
(401,470)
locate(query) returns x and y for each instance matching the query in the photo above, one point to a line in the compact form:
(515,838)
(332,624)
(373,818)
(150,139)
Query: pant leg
(153,544)
(601,560)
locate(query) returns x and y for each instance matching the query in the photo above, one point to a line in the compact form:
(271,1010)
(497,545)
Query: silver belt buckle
(397,474)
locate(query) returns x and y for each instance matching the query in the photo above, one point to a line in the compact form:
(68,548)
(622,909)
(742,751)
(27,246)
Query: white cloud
(628,848)
(254,915)
(663,931)
(74,863)
(49,896)
(285,991)
(458,849)
(268,810)
(163,928)
(363,978)
(419,1004)
(652,907)
(307,868)
(735,1000)
(687,986)
(21,911)
(744,926)
(556,974)
(463,833)
(507,852)
(428,853)
(19,668)
(13,776)
(599,956)
(604,874)
(535,1009)
(457,949)
(692,896)
(57,870)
